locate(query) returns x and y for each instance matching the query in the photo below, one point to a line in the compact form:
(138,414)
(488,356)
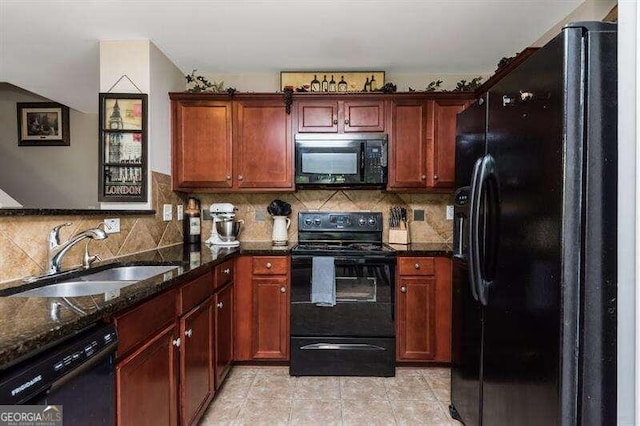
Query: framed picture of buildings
(123,147)
(42,124)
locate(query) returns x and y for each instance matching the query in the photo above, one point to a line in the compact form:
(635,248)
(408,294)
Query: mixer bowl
(228,230)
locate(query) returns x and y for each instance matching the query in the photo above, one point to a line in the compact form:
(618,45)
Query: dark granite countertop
(27,326)
(424,249)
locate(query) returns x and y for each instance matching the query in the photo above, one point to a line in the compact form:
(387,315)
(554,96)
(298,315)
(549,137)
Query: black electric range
(356,335)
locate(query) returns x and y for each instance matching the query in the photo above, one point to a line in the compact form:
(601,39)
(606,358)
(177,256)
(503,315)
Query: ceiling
(51,47)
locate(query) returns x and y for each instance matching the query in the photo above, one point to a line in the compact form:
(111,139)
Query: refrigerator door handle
(484,176)
(472,235)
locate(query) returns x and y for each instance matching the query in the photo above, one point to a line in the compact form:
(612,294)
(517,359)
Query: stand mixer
(222,212)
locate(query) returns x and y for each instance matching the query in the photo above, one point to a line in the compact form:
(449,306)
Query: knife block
(399,236)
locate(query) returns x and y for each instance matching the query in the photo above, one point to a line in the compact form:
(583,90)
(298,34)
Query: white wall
(628,214)
(165,77)
(60,177)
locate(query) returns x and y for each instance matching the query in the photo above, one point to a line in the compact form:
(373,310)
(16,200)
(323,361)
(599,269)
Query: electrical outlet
(449,212)
(167,212)
(179,212)
(418,215)
(261,216)
(206,214)
(112,226)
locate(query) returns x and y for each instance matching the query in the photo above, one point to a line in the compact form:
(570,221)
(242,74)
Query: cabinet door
(270,318)
(195,360)
(263,145)
(443,142)
(317,116)
(363,115)
(202,144)
(407,153)
(223,308)
(147,383)
(416,332)
(444,272)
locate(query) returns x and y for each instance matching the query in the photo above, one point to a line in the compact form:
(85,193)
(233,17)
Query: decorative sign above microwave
(332,81)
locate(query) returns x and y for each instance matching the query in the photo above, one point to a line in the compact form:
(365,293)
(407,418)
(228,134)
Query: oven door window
(355,289)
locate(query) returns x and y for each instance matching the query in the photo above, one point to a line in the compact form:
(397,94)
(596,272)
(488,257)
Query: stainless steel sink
(128,273)
(107,281)
(75,289)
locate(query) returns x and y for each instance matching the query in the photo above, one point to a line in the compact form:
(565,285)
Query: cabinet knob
(268,265)
(435,177)
(335,121)
(176,342)
(403,289)
(219,305)
(346,122)
(423,177)
(189,332)
(417,266)
(240,177)
(283,289)
(228,177)
(227,271)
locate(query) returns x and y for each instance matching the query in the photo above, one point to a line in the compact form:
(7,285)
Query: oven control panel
(337,221)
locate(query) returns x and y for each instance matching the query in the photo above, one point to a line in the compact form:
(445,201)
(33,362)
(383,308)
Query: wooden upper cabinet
(407,153)
(442,142)
(338,115)
(363,115)
(317,116)
(263,145)
(202,147)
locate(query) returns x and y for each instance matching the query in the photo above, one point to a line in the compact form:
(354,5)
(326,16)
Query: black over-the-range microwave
(341,160)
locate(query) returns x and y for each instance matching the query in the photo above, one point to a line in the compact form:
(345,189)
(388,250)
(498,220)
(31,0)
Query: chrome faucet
(56,251)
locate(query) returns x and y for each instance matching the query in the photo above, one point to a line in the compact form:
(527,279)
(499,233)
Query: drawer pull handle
(423,177)
(228,177)
(176,342)
(269,265)
(403,289)
(283,289)
(219,305)
(240,177)
(435,177)
(227,271)
(417,266)
(189,332)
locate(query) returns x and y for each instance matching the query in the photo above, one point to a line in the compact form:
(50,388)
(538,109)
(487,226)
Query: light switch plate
(112,226)
(449,212)
(180,212)
(167,212)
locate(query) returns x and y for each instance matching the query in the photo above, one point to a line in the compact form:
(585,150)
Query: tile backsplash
(23,247)
(433,229)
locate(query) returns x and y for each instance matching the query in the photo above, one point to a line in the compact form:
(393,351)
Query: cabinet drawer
(224,274)
(416,266)
(140,323)
(270,265)
(195,292)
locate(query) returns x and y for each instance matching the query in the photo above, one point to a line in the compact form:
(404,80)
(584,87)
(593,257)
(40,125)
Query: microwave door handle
(363,154)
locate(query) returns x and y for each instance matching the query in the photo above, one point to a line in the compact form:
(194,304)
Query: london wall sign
(123,147)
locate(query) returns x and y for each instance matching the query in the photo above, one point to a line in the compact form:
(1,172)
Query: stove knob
(317,221)
(372,221)
(308,221)
(362,221)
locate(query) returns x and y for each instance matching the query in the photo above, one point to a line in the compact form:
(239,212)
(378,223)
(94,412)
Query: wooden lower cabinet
(223,334)
(147,381)
(423,309)
(261,318)
(196,358)
(271,318)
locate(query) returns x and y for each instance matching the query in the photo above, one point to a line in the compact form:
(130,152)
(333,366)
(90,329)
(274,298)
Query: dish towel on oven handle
(323,281)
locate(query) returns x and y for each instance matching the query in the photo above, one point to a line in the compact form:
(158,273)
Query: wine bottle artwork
(366,85)
(315,84)
(342,85)
(332,84)
(325,84)
(373,85)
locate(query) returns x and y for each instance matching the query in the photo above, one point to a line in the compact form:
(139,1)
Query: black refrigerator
(534,265)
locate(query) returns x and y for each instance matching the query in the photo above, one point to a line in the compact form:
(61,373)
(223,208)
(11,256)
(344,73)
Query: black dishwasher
(77,374)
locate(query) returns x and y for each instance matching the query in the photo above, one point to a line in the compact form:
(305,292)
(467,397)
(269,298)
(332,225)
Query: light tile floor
(269,396)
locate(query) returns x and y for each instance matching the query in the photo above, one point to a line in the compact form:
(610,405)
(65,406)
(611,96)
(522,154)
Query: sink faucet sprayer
(56,251)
